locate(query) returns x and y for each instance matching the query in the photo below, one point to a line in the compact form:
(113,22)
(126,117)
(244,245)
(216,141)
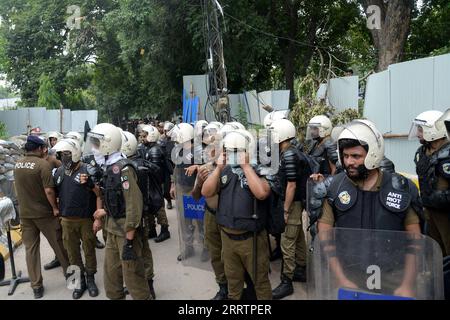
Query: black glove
(128,252)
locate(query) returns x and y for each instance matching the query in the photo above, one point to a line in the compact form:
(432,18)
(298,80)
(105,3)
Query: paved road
(173,280)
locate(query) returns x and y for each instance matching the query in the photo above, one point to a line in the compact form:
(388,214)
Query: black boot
(152,289)
(52,264)
(222,294)
(91,286)
(163,235)
(77,293)
(38,292)
(284,289)
(152,232)
(189,252)
(169,205)
(299,274)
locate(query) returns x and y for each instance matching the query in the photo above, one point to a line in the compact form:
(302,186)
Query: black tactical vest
(113,193)
(383,210)
(427,171)
(179,171)
(75,199)
(238,208)
(321,153)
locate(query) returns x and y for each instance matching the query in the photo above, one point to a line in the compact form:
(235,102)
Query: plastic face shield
(312,131)
(416,131)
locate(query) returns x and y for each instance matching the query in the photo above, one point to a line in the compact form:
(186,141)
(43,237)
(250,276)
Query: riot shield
(190,214)
(368,264)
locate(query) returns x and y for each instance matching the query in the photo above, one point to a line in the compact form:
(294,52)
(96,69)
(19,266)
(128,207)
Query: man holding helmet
(365,197)
(123,212)
(293,241)
(323,149)
(241,215)
(78,198)
(432,161)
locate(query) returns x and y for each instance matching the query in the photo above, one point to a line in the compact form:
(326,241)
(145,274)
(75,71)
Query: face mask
(232,159)
(66,161)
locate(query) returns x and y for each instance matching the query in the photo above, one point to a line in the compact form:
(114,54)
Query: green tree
(48,97)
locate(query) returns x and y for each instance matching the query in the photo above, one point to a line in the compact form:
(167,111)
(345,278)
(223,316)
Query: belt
(239,237)
(213,211)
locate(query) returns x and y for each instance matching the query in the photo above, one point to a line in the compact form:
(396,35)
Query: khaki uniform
(328,215)
(32,175)
(117,271)
(213,239)
(293,241)
(147,253)
(238,259)
(74,231)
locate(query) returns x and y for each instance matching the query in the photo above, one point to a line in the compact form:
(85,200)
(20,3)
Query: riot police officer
(167,145)
(149,181)
(241,215)
(293,238)
(150,150)
(363,196)
(432,161)
(123,216)
(323,149)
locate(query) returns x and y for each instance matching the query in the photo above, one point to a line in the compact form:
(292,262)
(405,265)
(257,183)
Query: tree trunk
(389,40)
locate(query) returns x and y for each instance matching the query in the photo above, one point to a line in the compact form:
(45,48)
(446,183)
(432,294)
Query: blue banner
(190,108)
(349,294)
(194,209)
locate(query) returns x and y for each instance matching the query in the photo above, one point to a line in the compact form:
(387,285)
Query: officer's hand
(244,159)
(100,213)
(221,161)
(172,191)
(317,177)
(97,225)
(191,170)
(404,291)
(202,175)
(128,253)
(56,212)
(83,178)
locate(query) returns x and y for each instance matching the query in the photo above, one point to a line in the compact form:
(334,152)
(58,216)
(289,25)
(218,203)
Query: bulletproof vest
(324,152)
(384,210)
(75,199)
(427,171)
(149,182)
(238,208)
(113,193)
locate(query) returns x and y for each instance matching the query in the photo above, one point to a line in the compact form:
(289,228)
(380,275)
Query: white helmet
(74,135)
(443,123)
(168,126)
(427,120)
(53,134)
(238,141)
(368,135)
(275,115)
(182,132)
(199,126)
(282,130)
(152,133)
(320,123)
(106,138)
(129,144)
(230,126)
(71,145)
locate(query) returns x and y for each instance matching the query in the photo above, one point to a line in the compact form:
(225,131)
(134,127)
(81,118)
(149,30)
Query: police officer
(293,241)
(148,178)
(323,149)
(39,211)
(167,145)
(151,151)
(213,240)
(241,215)
(78,198)
(363,196)
(123,213)
(432,161)
(182,185)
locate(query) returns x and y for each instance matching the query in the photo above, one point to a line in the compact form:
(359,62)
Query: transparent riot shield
(355,264)
(190,213)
